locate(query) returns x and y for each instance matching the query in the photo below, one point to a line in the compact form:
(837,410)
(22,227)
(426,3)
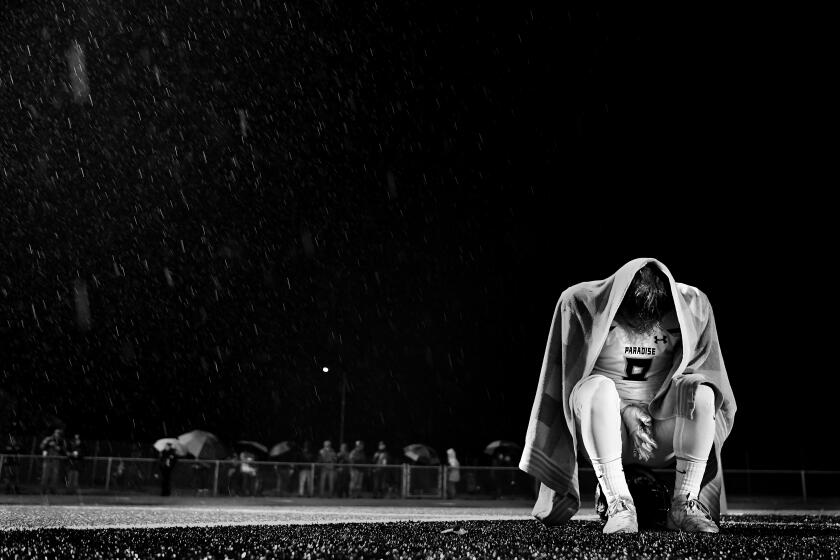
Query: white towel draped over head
(578,331)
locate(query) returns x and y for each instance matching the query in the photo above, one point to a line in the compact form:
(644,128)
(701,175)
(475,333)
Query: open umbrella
(502,446)
(203,445)
(279,449)
(160,445)
(421,453)
(253,447)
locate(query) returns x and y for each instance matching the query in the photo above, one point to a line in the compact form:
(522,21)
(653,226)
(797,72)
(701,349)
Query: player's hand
(640,427)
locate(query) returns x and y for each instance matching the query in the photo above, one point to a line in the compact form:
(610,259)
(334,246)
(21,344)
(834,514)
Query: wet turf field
(744,536)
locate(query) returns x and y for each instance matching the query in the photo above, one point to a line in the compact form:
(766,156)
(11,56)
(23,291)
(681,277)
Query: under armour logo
(663,340)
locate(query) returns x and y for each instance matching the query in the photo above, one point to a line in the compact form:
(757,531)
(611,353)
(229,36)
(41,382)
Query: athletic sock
(611,477)
(689,476)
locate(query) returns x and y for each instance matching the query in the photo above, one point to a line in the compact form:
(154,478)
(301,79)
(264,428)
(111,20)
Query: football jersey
(639,363)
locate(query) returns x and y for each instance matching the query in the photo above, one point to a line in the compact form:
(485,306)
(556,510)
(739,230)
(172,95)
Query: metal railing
(94,475)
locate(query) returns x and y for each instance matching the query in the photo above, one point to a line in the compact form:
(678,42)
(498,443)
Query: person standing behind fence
(498,474)
(248,474)
(53,449)
(168,460)
(119,475)
(380,472)
(357,457)
(75,455)
(327,458)
(306,486)
(133,472)
(11,465)
(234,474)
(283,473)
(342,475)
(200,478)
(511,474)
(453,475)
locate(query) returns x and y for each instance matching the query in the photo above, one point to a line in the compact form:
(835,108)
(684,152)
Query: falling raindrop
(392,185)
(243,123)
(82,303)
(308,243)
(77,73)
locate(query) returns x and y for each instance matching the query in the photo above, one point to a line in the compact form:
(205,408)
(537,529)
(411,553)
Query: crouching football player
(634,372)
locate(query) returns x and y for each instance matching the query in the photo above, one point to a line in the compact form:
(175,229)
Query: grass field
(431,530)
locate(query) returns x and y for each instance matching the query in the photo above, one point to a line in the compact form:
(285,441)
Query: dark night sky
(254,189)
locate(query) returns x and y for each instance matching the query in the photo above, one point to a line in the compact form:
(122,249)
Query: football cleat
(651,498)
(622,517)
(688,514)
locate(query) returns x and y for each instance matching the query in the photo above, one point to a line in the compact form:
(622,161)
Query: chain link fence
(28,474)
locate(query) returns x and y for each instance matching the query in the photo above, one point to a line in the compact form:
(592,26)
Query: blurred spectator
(357,457)
(306,486)
(342,476)
(510,474)
(502,479)
(133,471)
(10,474)
(453,476)
(168,460)
(200,478)
(234,475)
(75,456)
(248,475)
(327,458)
(53,449)
(472,483)
(283,473)
(496,474)
(119,475)
(381,459)
(425,479)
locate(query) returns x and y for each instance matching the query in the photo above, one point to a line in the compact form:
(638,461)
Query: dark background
(398,190)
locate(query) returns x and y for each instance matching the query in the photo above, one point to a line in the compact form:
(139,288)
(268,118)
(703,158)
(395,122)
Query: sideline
(113,516)
(33,512)
(265,501)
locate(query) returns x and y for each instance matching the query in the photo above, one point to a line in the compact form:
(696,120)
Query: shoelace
(616,507)
(694,503)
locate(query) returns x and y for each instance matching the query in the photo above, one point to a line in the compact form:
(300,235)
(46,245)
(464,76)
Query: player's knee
(704,401)
(602,393)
